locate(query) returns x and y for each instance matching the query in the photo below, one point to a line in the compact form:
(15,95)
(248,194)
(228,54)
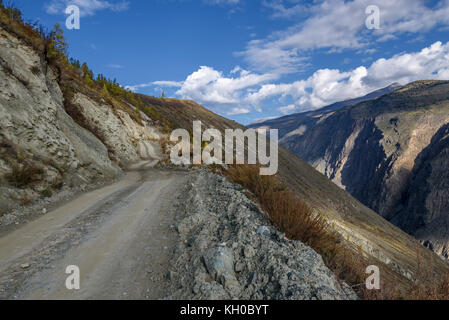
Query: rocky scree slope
(227,249)
(43,151)
(389,153)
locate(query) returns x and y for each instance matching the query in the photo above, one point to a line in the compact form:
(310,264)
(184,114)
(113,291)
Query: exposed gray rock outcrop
(229,250)
(124,138)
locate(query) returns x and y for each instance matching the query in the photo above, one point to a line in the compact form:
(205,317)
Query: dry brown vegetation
(24,174)
(426,285)
(299,222)
(32,34)
(294,217)
(284,208)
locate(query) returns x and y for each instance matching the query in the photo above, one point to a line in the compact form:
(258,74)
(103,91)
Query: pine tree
(12,11)
(105,91)
(58,47)
(75,63)
(88,74)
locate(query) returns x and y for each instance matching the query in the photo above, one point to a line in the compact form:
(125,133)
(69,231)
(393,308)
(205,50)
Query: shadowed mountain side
(380,151)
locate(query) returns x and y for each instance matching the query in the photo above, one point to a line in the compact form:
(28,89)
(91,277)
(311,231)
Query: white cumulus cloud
(327,86)
(210,86)
(243,92)
(338,25)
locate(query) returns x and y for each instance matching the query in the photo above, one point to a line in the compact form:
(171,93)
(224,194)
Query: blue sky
(248,59)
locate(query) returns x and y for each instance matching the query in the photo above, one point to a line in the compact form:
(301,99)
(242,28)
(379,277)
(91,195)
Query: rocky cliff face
(42,149)
(389,153)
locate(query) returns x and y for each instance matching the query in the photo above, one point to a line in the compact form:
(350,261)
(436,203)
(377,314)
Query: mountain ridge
(297,123)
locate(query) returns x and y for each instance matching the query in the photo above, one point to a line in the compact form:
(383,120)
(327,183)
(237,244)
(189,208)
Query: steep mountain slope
(381,241)
(389,154)
(60,133)
(297,124)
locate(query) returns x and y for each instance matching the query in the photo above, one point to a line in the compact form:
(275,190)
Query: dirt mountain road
(120,237)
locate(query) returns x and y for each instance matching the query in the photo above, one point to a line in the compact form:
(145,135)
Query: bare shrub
(24,174)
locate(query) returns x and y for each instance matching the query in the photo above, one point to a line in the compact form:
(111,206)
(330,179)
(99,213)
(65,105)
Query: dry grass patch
(425,285)
(285,210)
(428,285)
